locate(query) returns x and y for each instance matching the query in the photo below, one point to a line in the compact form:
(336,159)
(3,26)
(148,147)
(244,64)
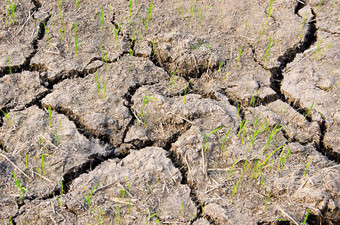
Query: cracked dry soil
(200,112)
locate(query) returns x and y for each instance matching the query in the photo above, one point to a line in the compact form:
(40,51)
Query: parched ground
(169,112)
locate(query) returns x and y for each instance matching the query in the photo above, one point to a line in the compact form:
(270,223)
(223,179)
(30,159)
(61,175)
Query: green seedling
(153,48)
(60,205)
(102,16)
(179,2)
(62,187)
(116,31)
(47,29)
(309,110)
(129,206)
(10,221)
(77,2)
(183,209)
(220,66)
(149,218)
(206,136)
(307,166)
(18,185)
(224,140)
(122,195)
(226,76)
(320,3)
(61,34)
(201,16)
(145,100)
(9,66)
(26,160)
(252,100)
(172,80)
(303,24)
(192,12)
(141,38)
(254,168)
(238,109)
(149,15)
(306,217)
(131,56)
(266,203)
(118,216)
(242,130)
(257,131)
(260,166)
(136,6)
(12,7)
(282,159)
(129,23)
(269,13)
(246,25)
(60,4)
(50,114)
(186,91)
(271,135)
(239,56)
(56,134)
(89,195)
(41,142)
(239,181)
(232,171)
(263,178)
(267,52)
(76,38)
(43,162)
(8,119)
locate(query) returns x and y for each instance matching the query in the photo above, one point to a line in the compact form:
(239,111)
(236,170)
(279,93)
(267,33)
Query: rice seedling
(56,134)
(309,110)
(238,109)
(306,217)
(269,13)
(173,80)
(43,162)
(261,165)
(129,206)
(122,194)
(303,24)
(26,160)
(9,66)
(201,16)
(220,66)
(192,12)
(60,205)
(206,136)
(282,159)
(186,91)
(60,4)
(149,15)
(239,56)
(61,34)
(239,181)
(257,131)
(18,185)
(10,221)
(271,135)
(41,142)
(307,166)
(50,114)
(226,76)
(8,119)
(89,195)
(254,168)
(62,187)
(183,209)
(242,130)
(76,38)
(150,216)
(116,31)
(153,48)
(77,3)
(141,38)
(320,3)
(263,178)
(252,100)
(267,52)
(145,100)
(47,29)
(12,7)
(224,140)
(119,217)
(231,170)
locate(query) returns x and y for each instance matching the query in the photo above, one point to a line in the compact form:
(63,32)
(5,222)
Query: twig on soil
(3,155)
(45,178)
(286,214)
(172,176)
(22,27)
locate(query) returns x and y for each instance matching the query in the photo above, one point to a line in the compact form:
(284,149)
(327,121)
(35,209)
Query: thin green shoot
(153,48)
(130,8)
(307,166)
(206,136)
(257,131)
(116,32)
(89,195)
(118,216)
(26,160)
(220,66)
(192,12)
(242,130)
(43,162)
(173,80)
(260,166)
(145,101)
(47,29)
(149,15)
(267,52)
(226,76)
(141,38)
(252,100)
(271,135)
(62,187)
(56,134)
(201,16)
(9,66)
(266,203)
(122,195)
(263,178)
(186,91)
(306,217)
(60,4)
(179,2)
(231,170)
(246,25)
(239,181)
(129,206)
(269,13)
(320,3)
(12,8)
(183,209)
(239,56)
(50,114)
(76,38)
(149,218)
(238,109)
(77,3)
(60,205)
(41,142)
(309,110)
(18,185)
(254,168)
(224,139)
(136,6)
(303,24)
(8,119)
(10,221)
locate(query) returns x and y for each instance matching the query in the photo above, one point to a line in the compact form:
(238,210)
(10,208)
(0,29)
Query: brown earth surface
(186,112)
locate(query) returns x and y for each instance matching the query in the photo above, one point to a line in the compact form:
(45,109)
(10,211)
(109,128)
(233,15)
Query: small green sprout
(257,131)
(266,203)
(242,130)
(60,205)
(192,12)
(50,114)
(309,111)
(10,221)
(18,185)
(12,8)
(267,52)
(205,137)
(224,139)
(122,195)
(201,16)
(260,166)
(145,100)
(43,162)
(118,216)
(220,66)
(153,48)
(254,168)
(183,209)
(8,119)
(149,15)
(47,29)
(76,38)
(307,166)
(62,187)
(149,218)
(252,100)
(56,134)
(9,66)
(269,13)
(226,76)
(116,31)
(26,160)
(238,109)
(77,3)
(89,195)
(306,217)
(102,16)
(271,135)
(239,56)
(303,24)
(172,80)
(239,181)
